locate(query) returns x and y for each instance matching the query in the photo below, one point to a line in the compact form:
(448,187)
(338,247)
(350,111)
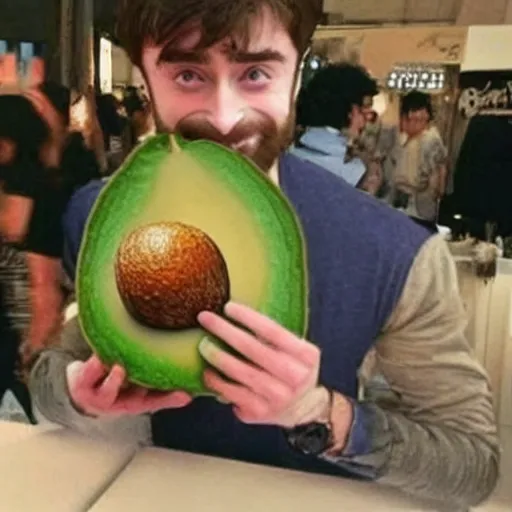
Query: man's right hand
(99,392)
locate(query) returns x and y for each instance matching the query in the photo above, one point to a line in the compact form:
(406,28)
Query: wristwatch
(313,438)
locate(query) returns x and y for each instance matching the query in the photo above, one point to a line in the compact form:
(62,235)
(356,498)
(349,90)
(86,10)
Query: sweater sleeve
(434,433)
(49,389)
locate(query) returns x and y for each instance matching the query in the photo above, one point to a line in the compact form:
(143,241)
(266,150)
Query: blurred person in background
(85,135)
(419,177)
(332,114)
(30,229)
(116,131)
(140,116)
(42,162)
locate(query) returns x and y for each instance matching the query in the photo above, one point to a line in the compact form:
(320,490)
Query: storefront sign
(417,77)
(485,92)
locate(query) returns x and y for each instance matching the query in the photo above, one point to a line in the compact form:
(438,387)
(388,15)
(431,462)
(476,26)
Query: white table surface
(14,432)
(162,480)
(52,470)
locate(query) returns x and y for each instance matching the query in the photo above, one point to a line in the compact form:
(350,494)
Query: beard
(256,136)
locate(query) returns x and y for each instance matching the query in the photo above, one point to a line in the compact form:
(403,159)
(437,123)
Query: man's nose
(227,109)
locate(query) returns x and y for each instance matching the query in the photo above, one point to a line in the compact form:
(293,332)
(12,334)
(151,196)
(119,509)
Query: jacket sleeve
(433,433)
(50,394)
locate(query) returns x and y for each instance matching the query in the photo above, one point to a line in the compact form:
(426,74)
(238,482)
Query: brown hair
(164,21)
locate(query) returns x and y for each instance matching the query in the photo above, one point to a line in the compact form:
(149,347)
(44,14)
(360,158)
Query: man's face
(415,122)
(367,106)
(359,115)
(241,98)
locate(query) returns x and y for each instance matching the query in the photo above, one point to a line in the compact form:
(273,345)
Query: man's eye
(256,75)
(189,78)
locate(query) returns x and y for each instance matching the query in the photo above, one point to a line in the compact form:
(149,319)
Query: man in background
(419,178)
(333,109)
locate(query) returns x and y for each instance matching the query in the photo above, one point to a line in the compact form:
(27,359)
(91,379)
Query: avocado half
(214,189)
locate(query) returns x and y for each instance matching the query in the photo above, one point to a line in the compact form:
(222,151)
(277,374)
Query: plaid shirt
(14,278)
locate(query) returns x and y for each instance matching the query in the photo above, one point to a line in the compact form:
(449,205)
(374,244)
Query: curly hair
(330,95)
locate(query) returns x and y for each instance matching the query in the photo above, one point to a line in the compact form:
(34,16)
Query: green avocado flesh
(220,192)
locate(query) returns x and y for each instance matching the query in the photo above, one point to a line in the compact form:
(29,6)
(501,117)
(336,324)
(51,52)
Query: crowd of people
(51,145)
(404,165)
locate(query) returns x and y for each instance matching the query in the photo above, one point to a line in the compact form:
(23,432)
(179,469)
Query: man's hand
(277,384)
(96,391)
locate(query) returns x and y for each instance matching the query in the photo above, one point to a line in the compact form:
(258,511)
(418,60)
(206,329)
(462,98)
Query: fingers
(138,400)
(111,387)
(275,371)
(262,327)
(92,373)
(290,368)
(247,406)
(85,381)
(257,380)
(98,392)
(159,401)
(279,364)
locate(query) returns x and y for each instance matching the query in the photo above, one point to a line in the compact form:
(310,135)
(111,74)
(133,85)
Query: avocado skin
(169,272)
(165,362)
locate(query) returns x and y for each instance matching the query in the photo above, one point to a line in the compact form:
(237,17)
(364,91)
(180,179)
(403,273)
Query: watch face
(311,439)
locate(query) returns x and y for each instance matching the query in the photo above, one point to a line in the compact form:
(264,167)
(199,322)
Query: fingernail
(206,348)
(200,317)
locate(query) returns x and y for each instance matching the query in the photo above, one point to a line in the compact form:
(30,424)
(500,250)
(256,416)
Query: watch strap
(313,438)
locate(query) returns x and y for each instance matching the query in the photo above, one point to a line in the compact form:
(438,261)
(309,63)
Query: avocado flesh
(217,190)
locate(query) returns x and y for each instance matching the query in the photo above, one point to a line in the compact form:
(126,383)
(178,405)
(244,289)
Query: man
(229,72)
(420,174)
(333,109)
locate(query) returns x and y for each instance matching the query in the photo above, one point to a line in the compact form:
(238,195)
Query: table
(15,432)
(53,470)
(162,480)
(50,469)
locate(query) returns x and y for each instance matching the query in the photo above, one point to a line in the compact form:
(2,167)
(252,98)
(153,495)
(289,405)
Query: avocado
(251,247)
(168,272)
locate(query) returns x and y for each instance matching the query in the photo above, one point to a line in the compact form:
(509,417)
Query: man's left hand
(275,379)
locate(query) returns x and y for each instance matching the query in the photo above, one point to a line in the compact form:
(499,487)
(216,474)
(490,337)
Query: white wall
(488,47)
(121,67)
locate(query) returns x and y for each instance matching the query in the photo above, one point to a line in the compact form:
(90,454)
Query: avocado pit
(169,272)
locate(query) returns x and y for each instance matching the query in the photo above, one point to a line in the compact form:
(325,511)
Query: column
(77,43)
